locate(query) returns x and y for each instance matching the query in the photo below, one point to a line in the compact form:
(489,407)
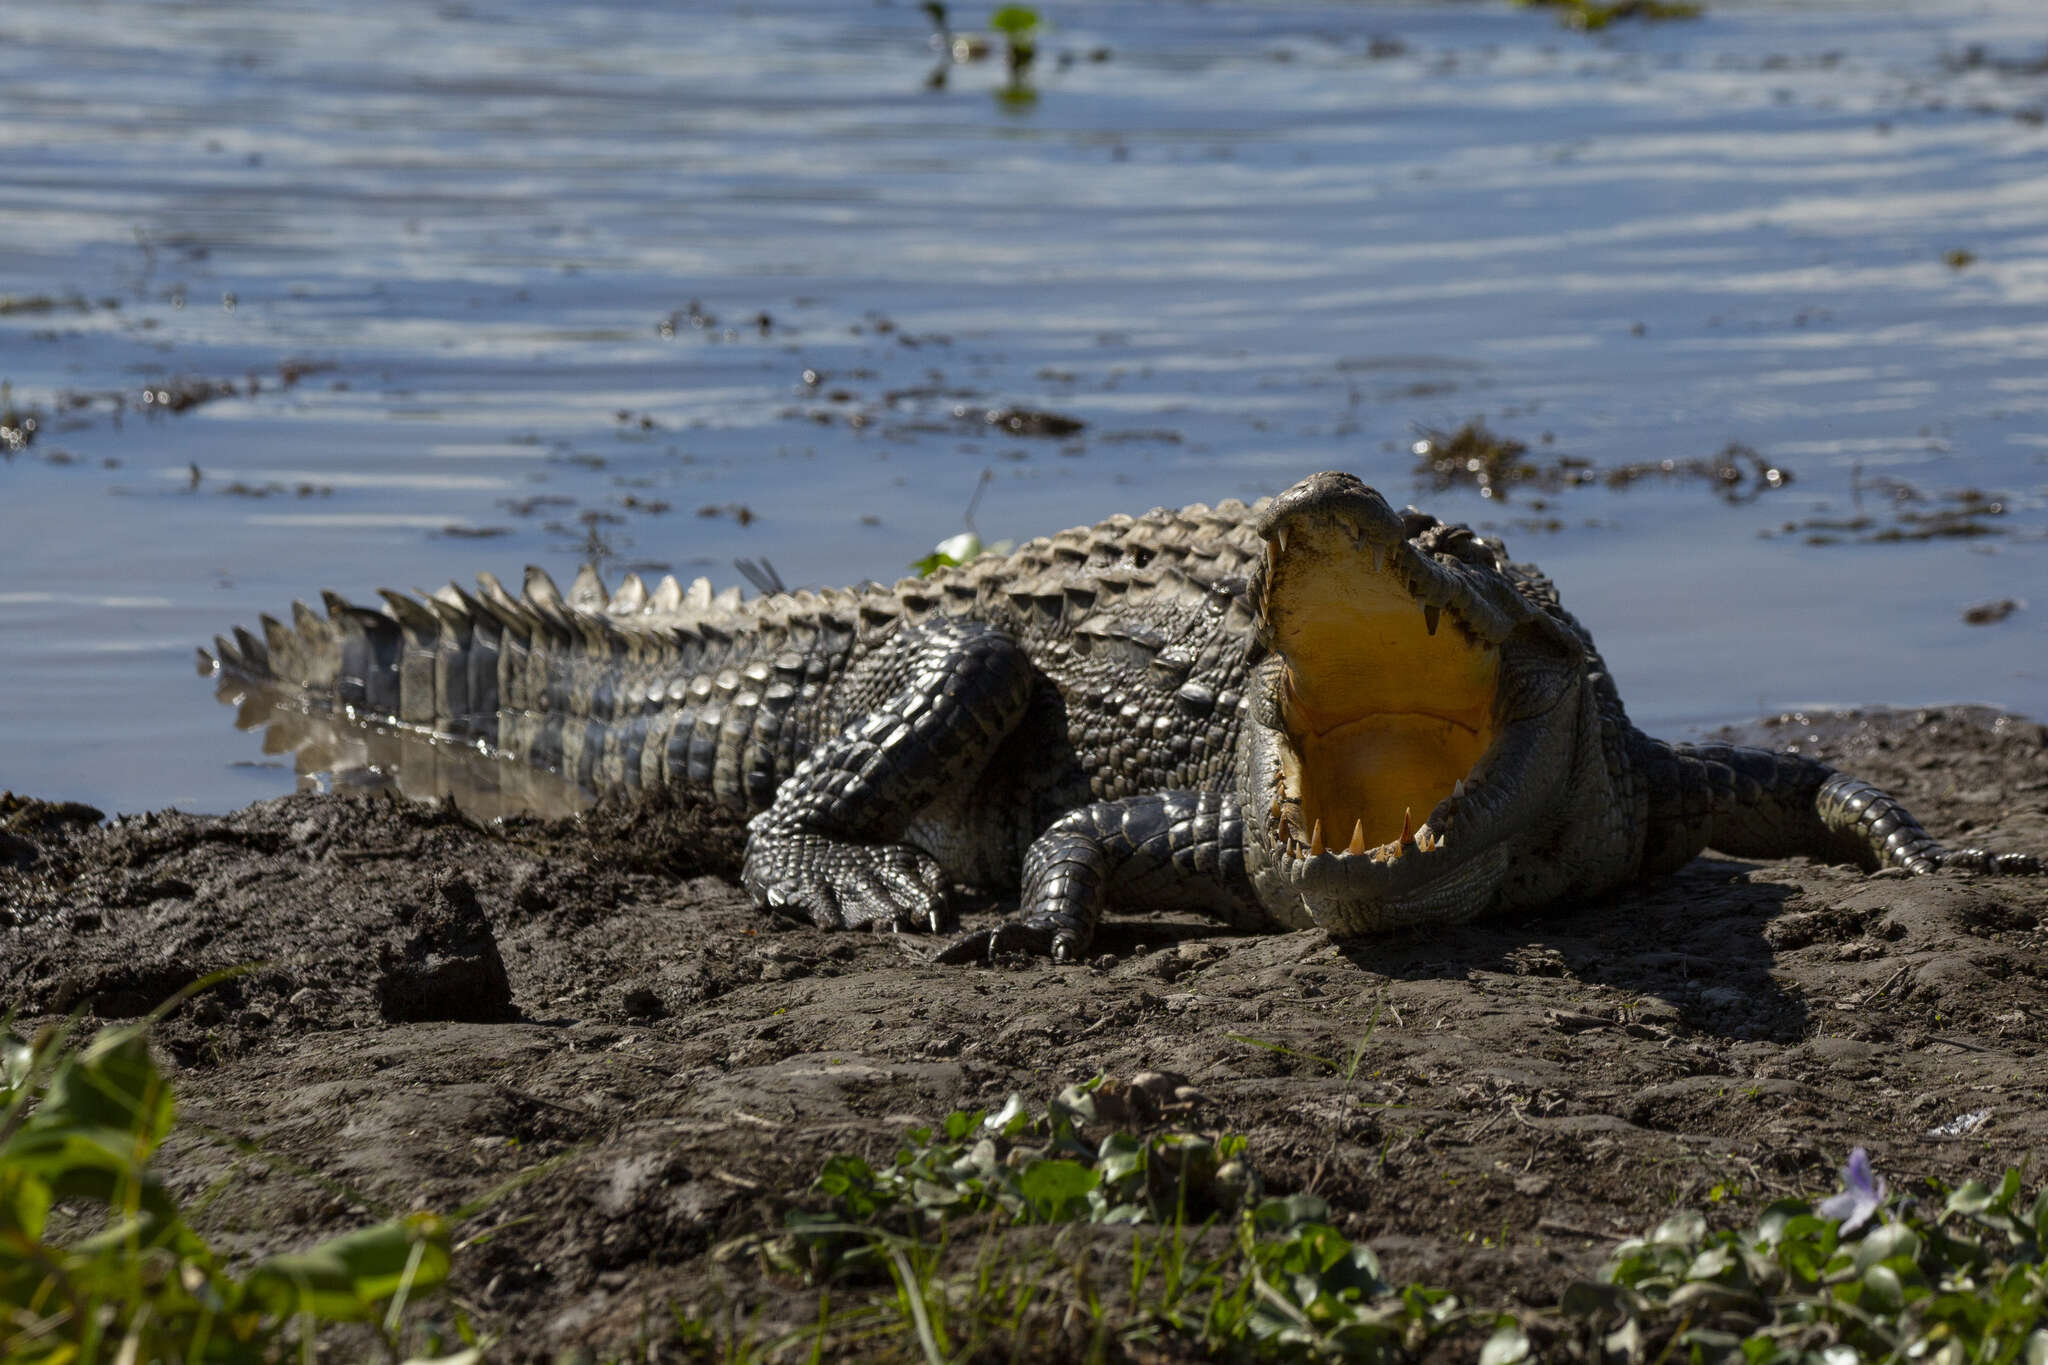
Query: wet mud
(581,1024)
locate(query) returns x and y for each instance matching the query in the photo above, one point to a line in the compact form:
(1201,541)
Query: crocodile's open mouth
(1386,697)
(1388,706)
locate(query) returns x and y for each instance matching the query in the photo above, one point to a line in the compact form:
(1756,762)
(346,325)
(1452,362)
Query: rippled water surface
(310,296)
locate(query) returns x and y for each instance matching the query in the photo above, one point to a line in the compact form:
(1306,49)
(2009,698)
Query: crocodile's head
(1415,721)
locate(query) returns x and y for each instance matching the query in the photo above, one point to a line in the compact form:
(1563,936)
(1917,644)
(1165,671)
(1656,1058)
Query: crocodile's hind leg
(1166,850)
(830,848)
(1762,803)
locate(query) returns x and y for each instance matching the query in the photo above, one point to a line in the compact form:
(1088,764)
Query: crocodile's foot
(833,884)
(1011,936)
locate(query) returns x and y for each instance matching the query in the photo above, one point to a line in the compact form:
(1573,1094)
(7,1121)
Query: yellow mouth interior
(1385,717)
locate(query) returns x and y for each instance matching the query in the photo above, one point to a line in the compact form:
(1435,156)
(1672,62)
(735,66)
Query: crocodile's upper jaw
(1407,724)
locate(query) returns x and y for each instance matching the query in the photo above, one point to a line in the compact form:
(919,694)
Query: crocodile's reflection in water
(332,753)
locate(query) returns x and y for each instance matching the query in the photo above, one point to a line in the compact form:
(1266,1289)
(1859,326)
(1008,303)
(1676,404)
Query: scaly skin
(1144,713)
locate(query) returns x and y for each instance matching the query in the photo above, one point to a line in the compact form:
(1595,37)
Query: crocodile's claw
(1011,936)
(838,885)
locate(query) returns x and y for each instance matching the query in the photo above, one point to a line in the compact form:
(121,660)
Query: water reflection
(331,753)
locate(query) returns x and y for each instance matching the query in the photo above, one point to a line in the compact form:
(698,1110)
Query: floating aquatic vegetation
(1590,16)
(1474,456)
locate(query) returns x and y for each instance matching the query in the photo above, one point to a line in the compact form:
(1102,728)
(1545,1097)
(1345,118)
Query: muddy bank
(440,1006)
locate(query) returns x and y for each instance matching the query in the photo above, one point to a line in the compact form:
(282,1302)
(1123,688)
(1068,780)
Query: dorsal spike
(541,591)
(410,614)
(587,593)
(631,598)
(698,596)
(253,649)
(502,604)
(729,600)
(451,612)
(668,595)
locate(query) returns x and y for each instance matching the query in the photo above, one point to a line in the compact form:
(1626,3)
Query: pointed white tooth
(1281,536)
(1357,845)
(1315,841)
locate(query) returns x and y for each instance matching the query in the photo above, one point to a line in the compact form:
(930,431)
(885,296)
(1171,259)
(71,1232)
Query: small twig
(1888,982)
(1553,1225)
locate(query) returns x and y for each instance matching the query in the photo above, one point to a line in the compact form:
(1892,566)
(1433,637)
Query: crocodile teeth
(1459,790)
(1430,617)
(1315,841)
(1357,844)
(1280,535)
(1407,824)
(1426,840)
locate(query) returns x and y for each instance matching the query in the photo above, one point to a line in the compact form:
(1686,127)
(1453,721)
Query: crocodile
(1239,710)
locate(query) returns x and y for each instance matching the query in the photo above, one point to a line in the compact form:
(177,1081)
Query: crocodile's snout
(1337,500)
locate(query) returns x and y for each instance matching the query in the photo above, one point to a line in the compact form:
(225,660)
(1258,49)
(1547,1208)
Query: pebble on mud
(449,968)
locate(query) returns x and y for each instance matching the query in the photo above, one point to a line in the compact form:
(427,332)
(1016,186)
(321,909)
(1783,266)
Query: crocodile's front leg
(1165,850)
(829,849)
(1762,803)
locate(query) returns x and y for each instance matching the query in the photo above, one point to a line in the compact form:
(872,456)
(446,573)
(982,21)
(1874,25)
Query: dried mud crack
(438,1006)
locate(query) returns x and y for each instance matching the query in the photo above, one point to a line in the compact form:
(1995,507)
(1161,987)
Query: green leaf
(1011,1119)
(1681,1229)
(1885,1241)
(1056,1191)
(25,1201)
(1882,1292)
(1973,1197)
(17,1064)
(1014,20)
(113,1084)
(1776,1219)
(1280,1214)
(347,1278)
(1710,1264)
(1508,1345)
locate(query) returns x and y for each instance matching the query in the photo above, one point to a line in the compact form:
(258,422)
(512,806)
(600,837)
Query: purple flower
(1862,1194)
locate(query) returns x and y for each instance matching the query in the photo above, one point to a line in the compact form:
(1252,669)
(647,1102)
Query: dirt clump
(582,1028)
(449,967)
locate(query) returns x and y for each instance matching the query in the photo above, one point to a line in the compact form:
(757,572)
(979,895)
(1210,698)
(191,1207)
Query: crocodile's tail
(593,685)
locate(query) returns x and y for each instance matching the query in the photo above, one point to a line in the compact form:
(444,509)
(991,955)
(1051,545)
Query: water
(1251,241)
